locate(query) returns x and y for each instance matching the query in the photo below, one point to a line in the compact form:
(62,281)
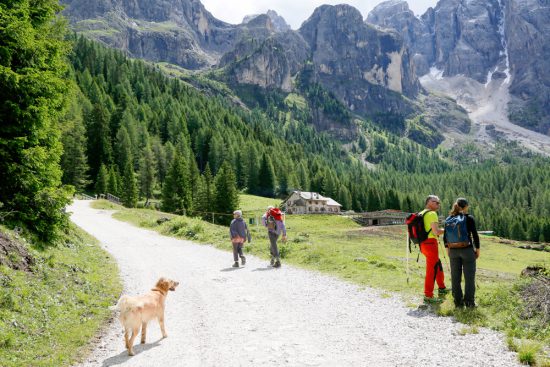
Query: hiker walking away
(429,248)
(238,231)
(273,221)
(462,243)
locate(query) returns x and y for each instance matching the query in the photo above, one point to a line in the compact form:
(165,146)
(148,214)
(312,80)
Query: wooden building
(303,202)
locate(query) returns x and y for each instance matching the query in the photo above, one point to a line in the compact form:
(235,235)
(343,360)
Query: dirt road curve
(259,316)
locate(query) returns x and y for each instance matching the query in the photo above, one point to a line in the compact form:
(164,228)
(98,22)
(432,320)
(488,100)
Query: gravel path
(259,316)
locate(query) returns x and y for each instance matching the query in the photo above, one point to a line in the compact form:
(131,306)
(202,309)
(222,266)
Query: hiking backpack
(456,231)
(272,216)
(415,228)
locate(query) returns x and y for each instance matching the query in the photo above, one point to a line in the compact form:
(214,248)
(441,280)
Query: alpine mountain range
(465,70)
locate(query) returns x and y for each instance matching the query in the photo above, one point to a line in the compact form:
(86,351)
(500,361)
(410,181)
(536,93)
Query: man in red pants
(429,247)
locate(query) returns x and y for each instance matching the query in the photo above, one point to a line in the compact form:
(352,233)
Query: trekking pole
(445,257)
(407,255)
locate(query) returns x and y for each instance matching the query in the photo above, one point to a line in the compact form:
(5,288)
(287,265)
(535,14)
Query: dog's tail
(121,305)
(126,305)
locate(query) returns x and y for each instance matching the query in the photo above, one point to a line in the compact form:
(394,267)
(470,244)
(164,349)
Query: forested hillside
(131,131)
(143,134)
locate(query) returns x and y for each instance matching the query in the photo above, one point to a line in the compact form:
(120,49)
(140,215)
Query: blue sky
(294,11)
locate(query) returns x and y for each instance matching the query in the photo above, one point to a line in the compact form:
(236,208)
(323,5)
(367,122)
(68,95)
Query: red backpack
(276,213)
(415,228)
(272,216)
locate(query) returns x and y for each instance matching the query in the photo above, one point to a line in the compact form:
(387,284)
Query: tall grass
(49,314)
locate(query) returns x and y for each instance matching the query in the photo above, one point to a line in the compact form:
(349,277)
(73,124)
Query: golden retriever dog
(136,312)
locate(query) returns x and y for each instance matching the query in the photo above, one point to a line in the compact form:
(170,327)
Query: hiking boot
(272,261)
(243,260)
(277,263)
(443,291)
(432,300)
(470,304)
(236,265)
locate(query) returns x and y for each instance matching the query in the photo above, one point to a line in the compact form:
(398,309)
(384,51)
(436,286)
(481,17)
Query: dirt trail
(259,316)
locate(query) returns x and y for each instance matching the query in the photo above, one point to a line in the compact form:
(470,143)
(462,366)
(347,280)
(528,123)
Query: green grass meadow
(48,315)
(377,257)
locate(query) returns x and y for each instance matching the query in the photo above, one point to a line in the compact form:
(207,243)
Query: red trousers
(434,269)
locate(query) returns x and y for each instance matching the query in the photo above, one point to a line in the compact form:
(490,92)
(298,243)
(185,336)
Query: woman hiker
(238,231)
(273,221)
(462,244)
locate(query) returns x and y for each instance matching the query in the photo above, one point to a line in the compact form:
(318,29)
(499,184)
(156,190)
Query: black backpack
(415,228)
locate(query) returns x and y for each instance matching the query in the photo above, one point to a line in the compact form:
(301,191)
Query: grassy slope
(48,316)
(376,257)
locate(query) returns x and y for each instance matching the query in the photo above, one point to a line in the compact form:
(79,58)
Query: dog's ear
(163,284)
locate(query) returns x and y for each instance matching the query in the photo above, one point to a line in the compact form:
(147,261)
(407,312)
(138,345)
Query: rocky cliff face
(487,41)
(368,69)
(279,23)
(457,37)
(180,32)
(527,29)
(269,62)
(417,36)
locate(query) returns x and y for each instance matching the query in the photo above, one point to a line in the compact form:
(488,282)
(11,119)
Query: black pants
(237,251)
(463,260)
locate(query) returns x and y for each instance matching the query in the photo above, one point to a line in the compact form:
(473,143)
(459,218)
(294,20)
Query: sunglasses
(437,202)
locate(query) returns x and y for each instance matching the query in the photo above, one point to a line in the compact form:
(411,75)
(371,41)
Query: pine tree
(129,188)
(102,180)
(147,174)
(344,197)
(124,148)
(99,141)
(373,203)
(176,193)
(241,171)
(113,186)
(204,202)
(33,92)
(73,160)
(227,196)
(266,178)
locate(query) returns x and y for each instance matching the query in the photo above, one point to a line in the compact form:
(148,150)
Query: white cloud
(294,11)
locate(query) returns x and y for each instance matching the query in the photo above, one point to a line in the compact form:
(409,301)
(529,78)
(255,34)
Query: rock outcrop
(367,68)
(485,40)
(179,32)
(279,23)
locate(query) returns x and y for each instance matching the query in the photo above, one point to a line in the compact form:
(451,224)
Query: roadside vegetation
(376,257)
(53,301)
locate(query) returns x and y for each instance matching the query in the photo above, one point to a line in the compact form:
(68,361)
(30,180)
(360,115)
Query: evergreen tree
(373,201)
(113,186)
(392,200)
(123,148)
(344,198)
(129,188)
(241,171)
(266,178)
(99,141)
(227,196)
(147,174)
(34,89)
(516,232)
(102,180)
(204,201)
(73,160)
(176,193)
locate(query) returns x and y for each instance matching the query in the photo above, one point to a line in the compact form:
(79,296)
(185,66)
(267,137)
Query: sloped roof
(316,196)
